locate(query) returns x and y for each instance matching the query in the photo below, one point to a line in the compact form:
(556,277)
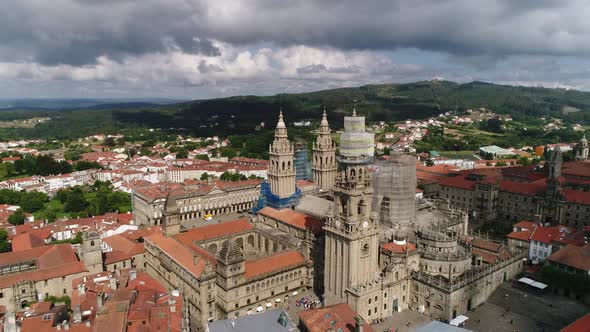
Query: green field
(468,155)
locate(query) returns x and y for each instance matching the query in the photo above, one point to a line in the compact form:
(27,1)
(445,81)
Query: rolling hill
(239,115)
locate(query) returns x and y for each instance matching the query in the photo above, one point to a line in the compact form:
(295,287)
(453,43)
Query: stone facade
(230,269)
(193,203)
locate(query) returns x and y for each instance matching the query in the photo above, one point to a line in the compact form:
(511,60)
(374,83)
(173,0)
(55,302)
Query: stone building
(324,157)
(436,274)
(230,269)
(581,149)
(215,197)
(34,274)
(557,193)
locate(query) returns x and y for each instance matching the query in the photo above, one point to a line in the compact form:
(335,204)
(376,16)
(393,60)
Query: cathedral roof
(275,263)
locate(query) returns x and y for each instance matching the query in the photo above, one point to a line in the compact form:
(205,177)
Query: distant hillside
(388,102)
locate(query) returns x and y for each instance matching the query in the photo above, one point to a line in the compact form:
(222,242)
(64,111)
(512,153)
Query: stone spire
(281,172)
(324,156)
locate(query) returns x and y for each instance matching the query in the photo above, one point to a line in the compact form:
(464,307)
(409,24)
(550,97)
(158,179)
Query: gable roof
(273,263)
(573,256)
(293,218)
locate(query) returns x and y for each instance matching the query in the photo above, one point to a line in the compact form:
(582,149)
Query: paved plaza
(512,309)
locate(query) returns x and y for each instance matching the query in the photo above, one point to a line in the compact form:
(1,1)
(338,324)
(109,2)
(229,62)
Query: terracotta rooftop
(293,218)
(274,263)
(215,230)
(399,248)
(520,235)
(576,196)
(573,256)
(530,225)
(487,245)
(178,252)
(531,188)
(26,241)
(123,248)
(580,325)
(338,317)
(53,261)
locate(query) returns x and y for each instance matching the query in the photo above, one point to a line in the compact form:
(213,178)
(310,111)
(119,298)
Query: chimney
(77,314)
(132,274)
(113,283)
(358,324)
(87,323)
(99,300)
(66,326)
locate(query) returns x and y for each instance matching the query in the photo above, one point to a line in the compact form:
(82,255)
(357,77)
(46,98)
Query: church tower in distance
(281,172)
(324,157)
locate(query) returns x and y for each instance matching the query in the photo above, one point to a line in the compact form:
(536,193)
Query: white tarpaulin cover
(259,308)
(458,320)
(533,283)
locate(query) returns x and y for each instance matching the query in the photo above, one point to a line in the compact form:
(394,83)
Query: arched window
(283,165)
(361,208)
(92,243)
(396,275)
(343,205)
(352,174)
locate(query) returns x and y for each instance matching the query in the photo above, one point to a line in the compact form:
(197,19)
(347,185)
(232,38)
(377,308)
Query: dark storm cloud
(79,31)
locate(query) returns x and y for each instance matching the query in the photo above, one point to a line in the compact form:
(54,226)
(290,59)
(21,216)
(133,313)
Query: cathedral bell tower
(352,233)
(281,172)
(552,204)
(324,157)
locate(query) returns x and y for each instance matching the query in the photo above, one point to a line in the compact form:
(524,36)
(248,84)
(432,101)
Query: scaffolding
(302,162)
(394,192)
(267,198)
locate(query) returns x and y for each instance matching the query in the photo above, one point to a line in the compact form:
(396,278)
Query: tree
(76,201)
(429,162)
(84,165)
(17,218)
(4,243)
(109,141)
(33,201)
(524,161)
(181,153)
(204,176)
(501,164)
(202,157)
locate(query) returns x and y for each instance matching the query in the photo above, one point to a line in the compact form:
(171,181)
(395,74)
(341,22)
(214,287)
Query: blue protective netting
(267,198)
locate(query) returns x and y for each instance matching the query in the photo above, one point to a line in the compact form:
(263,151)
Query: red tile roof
(576,196)
(26,241)
(525,224)
(336,317)
(530,189)
(274,263)
(487,245)
(178,252)
(457,182)
(215,230)
(580,325)
(574,256)
(293,218)
(522,235)
(399,248)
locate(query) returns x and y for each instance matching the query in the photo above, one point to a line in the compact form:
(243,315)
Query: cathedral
(336,240)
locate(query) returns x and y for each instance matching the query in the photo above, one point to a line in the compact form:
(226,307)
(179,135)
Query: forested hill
(389,102)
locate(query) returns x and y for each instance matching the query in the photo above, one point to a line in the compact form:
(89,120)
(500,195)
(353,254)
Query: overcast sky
(210,48)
